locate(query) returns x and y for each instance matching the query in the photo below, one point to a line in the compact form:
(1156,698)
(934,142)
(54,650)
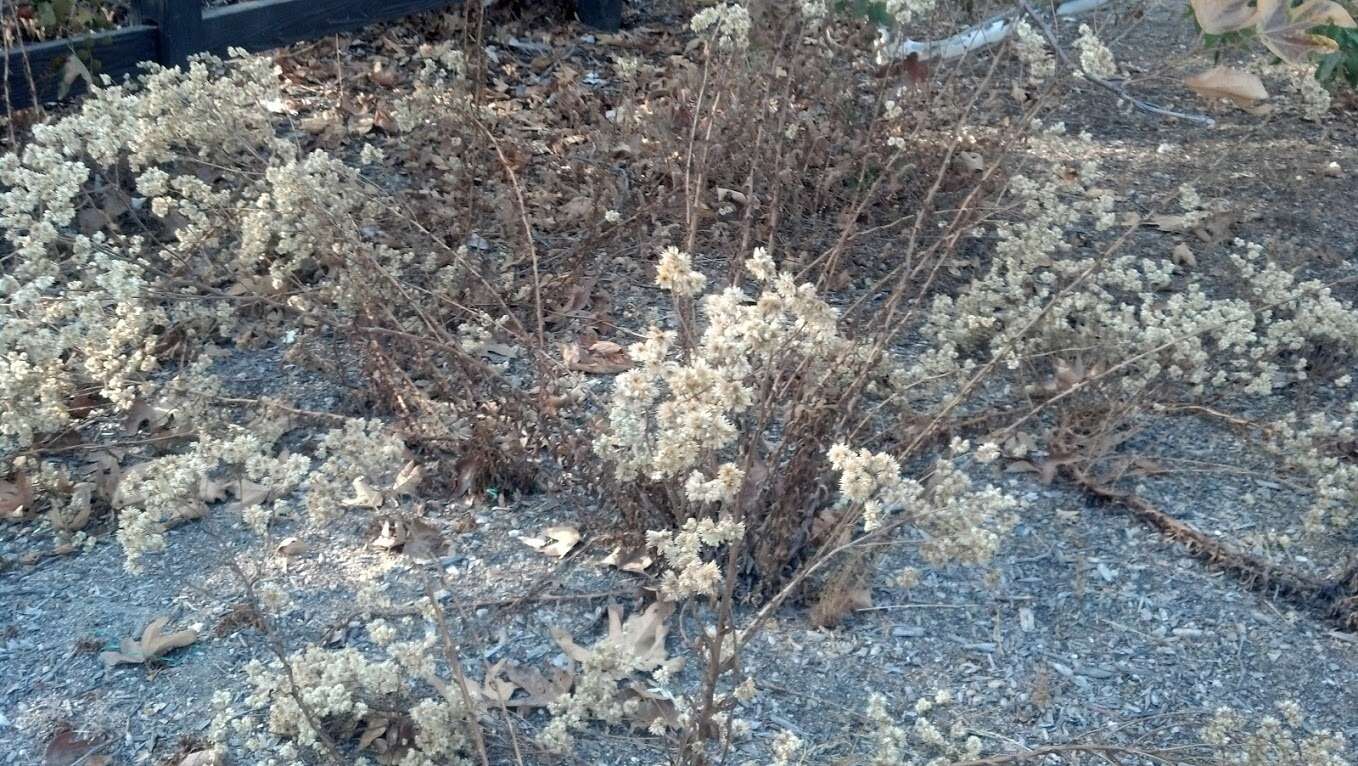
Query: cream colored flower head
(675,273)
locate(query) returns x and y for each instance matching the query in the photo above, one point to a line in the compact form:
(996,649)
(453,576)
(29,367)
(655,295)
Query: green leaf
(1328,64)
(47,16)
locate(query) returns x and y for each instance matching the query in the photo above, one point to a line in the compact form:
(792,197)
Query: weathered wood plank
(179,24)
(601,14)
(169,31)
(115,53)
(263,24)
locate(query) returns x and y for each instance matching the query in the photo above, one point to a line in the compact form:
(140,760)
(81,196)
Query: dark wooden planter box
(169,31)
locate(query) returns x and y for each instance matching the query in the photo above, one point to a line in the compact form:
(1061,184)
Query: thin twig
(1158,756)
(455,664)
(276,646)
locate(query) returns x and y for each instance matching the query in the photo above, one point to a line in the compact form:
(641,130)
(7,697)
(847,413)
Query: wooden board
(168,31)
(263,24)
(114,53)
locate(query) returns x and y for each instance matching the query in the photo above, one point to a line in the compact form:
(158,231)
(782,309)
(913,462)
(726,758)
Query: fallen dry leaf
(152,646)
(67,748)
(202,758)
(16,497)
(493,690)
(645,706)
(76,514)
(641,638)
(635,561)
(291,546)
(144,416)
(1217,17)
(563,538)
(1240,88)
(411,536)
(389,735)
(601,357)
(542,690)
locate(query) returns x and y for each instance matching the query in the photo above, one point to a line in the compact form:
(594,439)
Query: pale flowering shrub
(1096,60)
(1322,447)
(960,523)
(357,463)
(1033,50)
(730,410)
(157,494)
(906,11)
(727,23)
(1041,295)
(1273,741)
(78,310)
(344,688)
(686,573)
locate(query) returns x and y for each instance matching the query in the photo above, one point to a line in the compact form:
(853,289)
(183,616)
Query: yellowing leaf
(1241,88)
(1217,17)
(1287,32)
(153,644)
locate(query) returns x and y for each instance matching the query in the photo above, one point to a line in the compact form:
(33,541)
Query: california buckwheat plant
(471,394)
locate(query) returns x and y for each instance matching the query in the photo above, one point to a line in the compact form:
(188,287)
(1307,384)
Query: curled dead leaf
(1217,17)
(153,644)
(68,748)
(291,546)
(76,514)
(601,357)
(1243,89)
(542,690)
(562,539)
(635,561)
(388,734)
(411,536)
(16,497)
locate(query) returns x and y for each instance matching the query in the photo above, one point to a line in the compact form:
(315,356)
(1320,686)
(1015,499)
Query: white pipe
(981,35)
